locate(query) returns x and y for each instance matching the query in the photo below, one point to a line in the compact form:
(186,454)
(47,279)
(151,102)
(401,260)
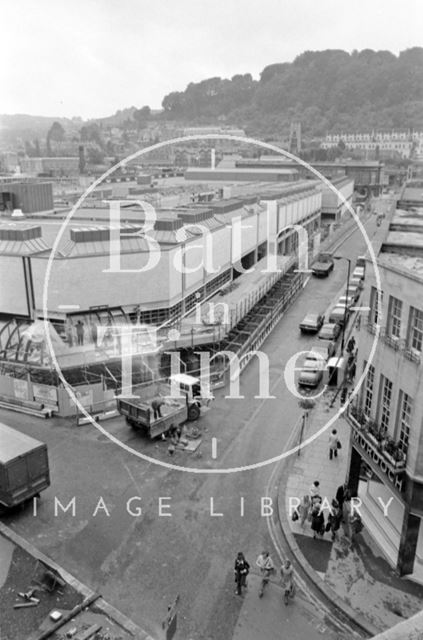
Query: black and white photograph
(211,320)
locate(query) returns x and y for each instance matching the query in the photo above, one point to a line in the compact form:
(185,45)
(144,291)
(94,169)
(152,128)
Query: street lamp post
(346,298)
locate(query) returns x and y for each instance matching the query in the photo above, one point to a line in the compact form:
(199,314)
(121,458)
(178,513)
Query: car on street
(356,281)
(312,323)
(312,371)
(349,301)
(358,273)
(339,314)
(323,266)
(354,290)
(325,349)
(330,331)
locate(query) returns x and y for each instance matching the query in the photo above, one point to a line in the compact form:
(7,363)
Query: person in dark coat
(241,570)
(80,332)
(341,495)
(334,518)
(351,344)
(317,521)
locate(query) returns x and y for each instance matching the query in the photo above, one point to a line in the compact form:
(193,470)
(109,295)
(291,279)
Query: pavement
(268,618)
(356,577)
(22,567)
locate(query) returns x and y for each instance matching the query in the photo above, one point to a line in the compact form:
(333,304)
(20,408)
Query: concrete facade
(86,250)
(388,419)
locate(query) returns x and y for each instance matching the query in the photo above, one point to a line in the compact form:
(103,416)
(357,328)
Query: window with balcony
(368,390)
(394,317)
(405,409)
(385,404)
(415,332)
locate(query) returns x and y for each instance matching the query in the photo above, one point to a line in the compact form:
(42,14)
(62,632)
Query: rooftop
(402,247)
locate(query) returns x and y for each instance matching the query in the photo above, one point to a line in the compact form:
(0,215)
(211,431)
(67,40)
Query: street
(140,563)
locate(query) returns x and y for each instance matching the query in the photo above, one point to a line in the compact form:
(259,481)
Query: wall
(86,281)
(404,374)
(12,289)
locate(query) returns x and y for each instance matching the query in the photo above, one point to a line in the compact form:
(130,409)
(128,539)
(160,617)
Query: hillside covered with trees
(328,91)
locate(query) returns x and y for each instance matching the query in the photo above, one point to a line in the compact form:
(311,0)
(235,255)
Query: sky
(89,58)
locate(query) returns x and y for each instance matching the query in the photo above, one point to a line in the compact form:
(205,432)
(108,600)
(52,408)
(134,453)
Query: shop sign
(378,459)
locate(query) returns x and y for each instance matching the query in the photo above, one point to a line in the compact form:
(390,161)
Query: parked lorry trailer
(139,412)
(24,469)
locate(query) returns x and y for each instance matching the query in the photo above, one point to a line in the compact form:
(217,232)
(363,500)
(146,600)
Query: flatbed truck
(139,412)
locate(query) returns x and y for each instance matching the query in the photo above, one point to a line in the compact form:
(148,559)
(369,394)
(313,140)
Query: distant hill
(326,90)
(117,119)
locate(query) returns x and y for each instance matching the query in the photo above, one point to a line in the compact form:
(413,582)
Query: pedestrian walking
(266,566)
(304,509)
(356,526)
(351,345)
(317,521)
(287,580)
(315,491)
(346,513)
(241,570)
(80,332)
(334,518)
(334,444)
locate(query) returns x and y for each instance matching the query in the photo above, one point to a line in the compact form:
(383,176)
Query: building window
(405,408)
(394,317)
(374,315)
(415,333)
(385,405)
(368,390)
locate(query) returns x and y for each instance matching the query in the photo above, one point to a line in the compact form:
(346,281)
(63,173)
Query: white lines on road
(133,479)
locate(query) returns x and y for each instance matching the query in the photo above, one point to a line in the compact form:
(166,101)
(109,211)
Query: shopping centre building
(108,271)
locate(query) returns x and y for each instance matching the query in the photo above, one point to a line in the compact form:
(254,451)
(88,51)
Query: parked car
(312,323)
(349,301)
(312,371)
(339,314)
(325,349)
(358,273)
(330,331)
(354,291)
(356,281)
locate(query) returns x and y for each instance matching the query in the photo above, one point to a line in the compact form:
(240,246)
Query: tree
(91,133)
(95,155)
(56,133)
(141,116)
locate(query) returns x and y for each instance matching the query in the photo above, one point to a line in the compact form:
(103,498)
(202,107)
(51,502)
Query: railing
(398,344)
(375,451)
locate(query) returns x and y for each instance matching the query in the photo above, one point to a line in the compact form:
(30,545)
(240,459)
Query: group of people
(311,510)
(266,566)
